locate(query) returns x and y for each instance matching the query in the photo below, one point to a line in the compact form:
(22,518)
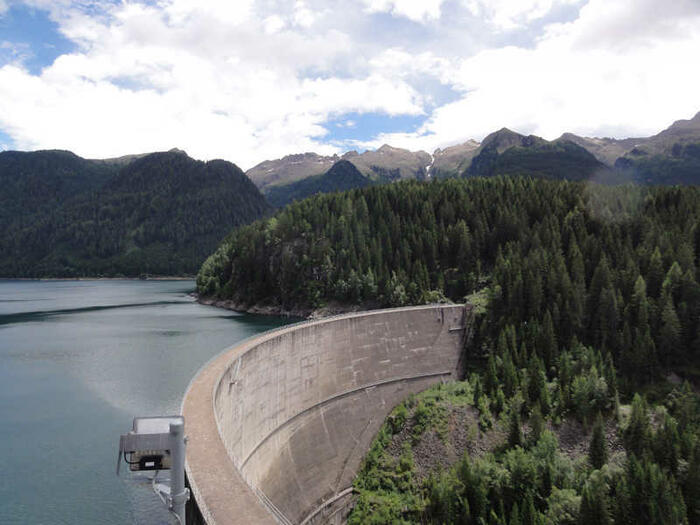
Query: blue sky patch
(30,36)
(364,126)
(6,142)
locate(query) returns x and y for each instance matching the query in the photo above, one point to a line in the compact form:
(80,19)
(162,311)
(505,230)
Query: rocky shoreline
(328,310)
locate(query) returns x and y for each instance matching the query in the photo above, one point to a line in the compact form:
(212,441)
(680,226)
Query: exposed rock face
(386,163)
(668,142)
(452,161)
(290,169)
(504,139)
(606,150)
(391,163)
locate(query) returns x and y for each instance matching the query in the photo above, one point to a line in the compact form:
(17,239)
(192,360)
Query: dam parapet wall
(279,424)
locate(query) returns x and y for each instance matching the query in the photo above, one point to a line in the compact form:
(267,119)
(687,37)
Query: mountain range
(669,157)
(162,213)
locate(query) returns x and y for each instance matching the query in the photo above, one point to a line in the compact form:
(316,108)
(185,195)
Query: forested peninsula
(579,406)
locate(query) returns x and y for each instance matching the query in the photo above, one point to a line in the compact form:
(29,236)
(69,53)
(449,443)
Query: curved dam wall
(278,425)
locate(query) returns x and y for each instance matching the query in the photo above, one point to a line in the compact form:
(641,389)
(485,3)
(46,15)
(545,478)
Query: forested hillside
(159,214)
(681,167)
(342,176)
(39,181)
(589,295)
(553,160)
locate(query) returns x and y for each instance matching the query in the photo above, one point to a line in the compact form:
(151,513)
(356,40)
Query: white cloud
(416,10)
(510,14)
(563,85)
(249,80)
(627,25)
(303,16)
(232,13)
(150,79)
(273,24)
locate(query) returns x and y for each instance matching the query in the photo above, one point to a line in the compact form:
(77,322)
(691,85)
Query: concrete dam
(278,425)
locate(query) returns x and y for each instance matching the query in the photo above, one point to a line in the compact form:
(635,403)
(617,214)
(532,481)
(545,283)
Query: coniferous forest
(587,313)
(162,213)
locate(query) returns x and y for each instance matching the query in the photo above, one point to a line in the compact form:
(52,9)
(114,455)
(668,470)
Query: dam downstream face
(278,425)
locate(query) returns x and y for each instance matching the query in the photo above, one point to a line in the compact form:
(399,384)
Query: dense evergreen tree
(594,503)
(638,430)
(515,434)
(598,450)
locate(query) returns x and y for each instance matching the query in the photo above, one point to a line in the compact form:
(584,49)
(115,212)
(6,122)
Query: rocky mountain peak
(503,139)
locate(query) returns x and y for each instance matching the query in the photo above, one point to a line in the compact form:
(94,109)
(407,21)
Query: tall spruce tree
(598,449)
(636,434)
(594,508)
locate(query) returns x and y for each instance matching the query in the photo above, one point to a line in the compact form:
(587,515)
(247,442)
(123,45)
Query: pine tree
(515,515)
(655,275)
(536,426)
(491,377)
(666,445)
(515,434)
(691,487)
(535,380)
(528,513)
(636,435)
(510,376)
(606,324)
(670,332)
(598,449)
(548,341)
(594,503)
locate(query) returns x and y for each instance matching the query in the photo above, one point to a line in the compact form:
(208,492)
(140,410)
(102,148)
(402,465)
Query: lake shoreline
(304,313)
(58,279)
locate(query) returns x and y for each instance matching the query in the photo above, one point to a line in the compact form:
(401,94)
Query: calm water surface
(80,359)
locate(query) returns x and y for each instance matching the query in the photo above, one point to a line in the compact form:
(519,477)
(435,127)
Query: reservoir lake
(78,361)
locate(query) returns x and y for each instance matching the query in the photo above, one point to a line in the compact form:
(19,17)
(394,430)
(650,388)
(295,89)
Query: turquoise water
(80,359)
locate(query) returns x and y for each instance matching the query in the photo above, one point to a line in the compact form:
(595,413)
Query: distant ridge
(342,176)
(386,163)
(665,158)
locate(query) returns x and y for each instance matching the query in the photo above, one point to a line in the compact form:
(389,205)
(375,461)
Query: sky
(250,80)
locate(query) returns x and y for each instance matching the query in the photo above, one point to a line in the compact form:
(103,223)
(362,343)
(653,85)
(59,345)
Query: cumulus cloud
(567,82)
(510,14)
(153,77)
(251,80)
(416,10)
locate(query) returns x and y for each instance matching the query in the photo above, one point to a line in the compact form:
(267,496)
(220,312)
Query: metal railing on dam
(278,424)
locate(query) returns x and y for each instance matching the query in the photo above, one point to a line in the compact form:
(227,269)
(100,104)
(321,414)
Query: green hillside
(552,160)
(160,214)
(35,182)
